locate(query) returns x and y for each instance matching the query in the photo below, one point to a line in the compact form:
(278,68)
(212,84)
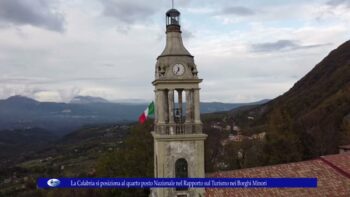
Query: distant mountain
(130,101)
(61,118)
(309,120)
(20,100)
(88,100)
(210,107)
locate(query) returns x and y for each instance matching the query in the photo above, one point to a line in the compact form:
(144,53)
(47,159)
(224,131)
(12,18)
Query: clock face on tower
(178,69)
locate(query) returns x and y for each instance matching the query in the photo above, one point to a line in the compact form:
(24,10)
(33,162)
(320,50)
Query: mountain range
(20,112)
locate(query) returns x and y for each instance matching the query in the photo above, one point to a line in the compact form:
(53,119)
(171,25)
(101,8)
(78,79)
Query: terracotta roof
(332,172)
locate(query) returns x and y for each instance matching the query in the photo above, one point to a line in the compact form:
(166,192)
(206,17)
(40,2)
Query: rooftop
(332,173)
(173,12)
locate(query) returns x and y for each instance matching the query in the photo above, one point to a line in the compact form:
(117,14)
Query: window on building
(181,170)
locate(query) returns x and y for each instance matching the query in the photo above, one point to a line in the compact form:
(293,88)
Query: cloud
(92,58)
(187,34)
(338,3)
(40,93)
(36,80)
(47,96)
(39,13)
(128,12)
(281,45)
(232,14)
(236,10)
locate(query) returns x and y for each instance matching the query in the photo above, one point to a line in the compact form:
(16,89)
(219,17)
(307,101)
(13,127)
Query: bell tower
(178,135)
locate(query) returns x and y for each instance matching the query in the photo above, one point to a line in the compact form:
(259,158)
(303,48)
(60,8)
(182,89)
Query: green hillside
(309,120)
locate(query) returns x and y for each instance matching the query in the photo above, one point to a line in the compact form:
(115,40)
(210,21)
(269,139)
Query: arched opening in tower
(181,170)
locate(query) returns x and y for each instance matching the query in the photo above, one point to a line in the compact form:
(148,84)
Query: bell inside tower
(178,111)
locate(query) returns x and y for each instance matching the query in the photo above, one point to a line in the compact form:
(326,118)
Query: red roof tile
(332,172)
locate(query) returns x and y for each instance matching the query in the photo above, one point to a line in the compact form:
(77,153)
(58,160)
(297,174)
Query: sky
(54,50)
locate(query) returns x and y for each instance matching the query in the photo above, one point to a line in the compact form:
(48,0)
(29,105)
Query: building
(332,173)
(178,136)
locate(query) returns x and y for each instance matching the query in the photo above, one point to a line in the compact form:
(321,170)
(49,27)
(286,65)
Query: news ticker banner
(177,182)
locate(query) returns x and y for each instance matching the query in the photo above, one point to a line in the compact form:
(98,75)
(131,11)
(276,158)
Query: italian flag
(149,111)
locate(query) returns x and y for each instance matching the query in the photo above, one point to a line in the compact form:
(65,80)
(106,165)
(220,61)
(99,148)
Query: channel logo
(53,182)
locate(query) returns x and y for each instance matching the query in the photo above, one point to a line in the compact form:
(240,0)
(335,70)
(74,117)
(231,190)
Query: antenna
(172,3)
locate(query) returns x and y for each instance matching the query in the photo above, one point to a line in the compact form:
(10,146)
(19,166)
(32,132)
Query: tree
(283,144)
(134,159)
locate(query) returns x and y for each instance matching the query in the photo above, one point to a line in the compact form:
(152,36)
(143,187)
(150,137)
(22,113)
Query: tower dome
(174,44)
(173,20)
(173,12)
